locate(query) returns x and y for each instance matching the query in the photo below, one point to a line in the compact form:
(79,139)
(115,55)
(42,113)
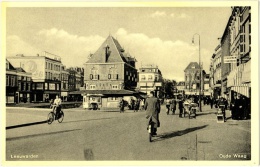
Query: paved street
(99,135)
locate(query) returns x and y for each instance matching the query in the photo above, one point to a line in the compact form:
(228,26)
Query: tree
(169,86)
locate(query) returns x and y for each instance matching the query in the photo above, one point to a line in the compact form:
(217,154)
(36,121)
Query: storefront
(105,98)
(239,80)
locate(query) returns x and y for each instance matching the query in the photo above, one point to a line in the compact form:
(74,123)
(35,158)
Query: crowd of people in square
(239,105)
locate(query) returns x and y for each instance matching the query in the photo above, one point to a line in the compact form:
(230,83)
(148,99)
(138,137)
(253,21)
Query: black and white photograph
(137,82)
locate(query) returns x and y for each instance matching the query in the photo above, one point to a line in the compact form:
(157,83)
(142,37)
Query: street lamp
(199,70)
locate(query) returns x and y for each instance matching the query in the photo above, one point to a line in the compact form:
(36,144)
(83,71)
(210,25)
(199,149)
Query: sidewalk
(230,140)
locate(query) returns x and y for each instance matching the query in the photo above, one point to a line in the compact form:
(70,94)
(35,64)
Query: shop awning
(244,90)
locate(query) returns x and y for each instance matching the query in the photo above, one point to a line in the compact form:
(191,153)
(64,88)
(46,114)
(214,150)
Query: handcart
(190,109)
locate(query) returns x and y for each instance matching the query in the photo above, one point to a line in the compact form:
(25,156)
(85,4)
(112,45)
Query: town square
(141,83)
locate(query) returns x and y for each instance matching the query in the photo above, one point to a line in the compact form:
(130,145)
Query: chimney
(106,53)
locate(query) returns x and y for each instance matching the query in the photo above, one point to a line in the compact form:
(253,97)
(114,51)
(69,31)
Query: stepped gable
(191,65)
(114,52)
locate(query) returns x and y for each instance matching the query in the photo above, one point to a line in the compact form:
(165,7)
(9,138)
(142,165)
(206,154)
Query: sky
(153,35)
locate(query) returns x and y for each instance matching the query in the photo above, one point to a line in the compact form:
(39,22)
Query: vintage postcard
(130,83)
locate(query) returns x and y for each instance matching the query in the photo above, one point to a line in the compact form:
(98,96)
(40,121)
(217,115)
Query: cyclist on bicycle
(57,106)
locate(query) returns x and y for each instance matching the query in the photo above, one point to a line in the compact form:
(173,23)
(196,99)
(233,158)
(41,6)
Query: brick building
(111,71)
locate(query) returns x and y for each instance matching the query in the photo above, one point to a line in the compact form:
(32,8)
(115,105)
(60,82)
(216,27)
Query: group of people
(170,105)
(240,107)
(135,105)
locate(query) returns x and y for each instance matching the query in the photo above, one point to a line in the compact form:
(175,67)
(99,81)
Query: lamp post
(199,70)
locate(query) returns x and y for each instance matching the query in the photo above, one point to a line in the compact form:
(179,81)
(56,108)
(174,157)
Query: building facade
(64,83)
(11,84)
(239,79)
(46,74)
(110,68)
(225,67)
(75,82)
(24,91)
(216,66)
(18,84)
(150,79)
(206,85)
(193,82)
(181,87)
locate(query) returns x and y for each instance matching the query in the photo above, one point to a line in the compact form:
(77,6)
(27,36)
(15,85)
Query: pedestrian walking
(239,107)
(132,103)
(141,104)
(173,106)
(168,103)
(136,105)
(181,107)
(121,105)
(233,108)
(153,107)
(211,100)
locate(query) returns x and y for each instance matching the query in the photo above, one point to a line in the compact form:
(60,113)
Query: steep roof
(115,52)
(192,64)
(10,66)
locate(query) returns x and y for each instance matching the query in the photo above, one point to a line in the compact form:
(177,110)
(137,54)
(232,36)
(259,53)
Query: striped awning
(244,90)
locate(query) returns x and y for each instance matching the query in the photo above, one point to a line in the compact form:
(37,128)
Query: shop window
(39,86)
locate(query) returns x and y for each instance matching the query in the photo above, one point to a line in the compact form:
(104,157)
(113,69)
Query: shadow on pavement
(27,124)
(87,120)
(178,133)
(37,135)
(204,113)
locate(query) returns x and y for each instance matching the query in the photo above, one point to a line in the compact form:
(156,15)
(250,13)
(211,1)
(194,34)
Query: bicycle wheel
(50,118)
(61,117)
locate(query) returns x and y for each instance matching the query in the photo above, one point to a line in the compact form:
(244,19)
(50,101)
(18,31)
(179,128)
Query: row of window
(110,76)
(191,78)
(93,87)
(24,86)
(129,74)
(149,70)
(45,86)
(149,78)
(11,81)
(51,76)
(52,66)
(64,77)
(24,78)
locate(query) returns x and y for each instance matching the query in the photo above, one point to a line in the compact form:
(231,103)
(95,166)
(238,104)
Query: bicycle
(53,115)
